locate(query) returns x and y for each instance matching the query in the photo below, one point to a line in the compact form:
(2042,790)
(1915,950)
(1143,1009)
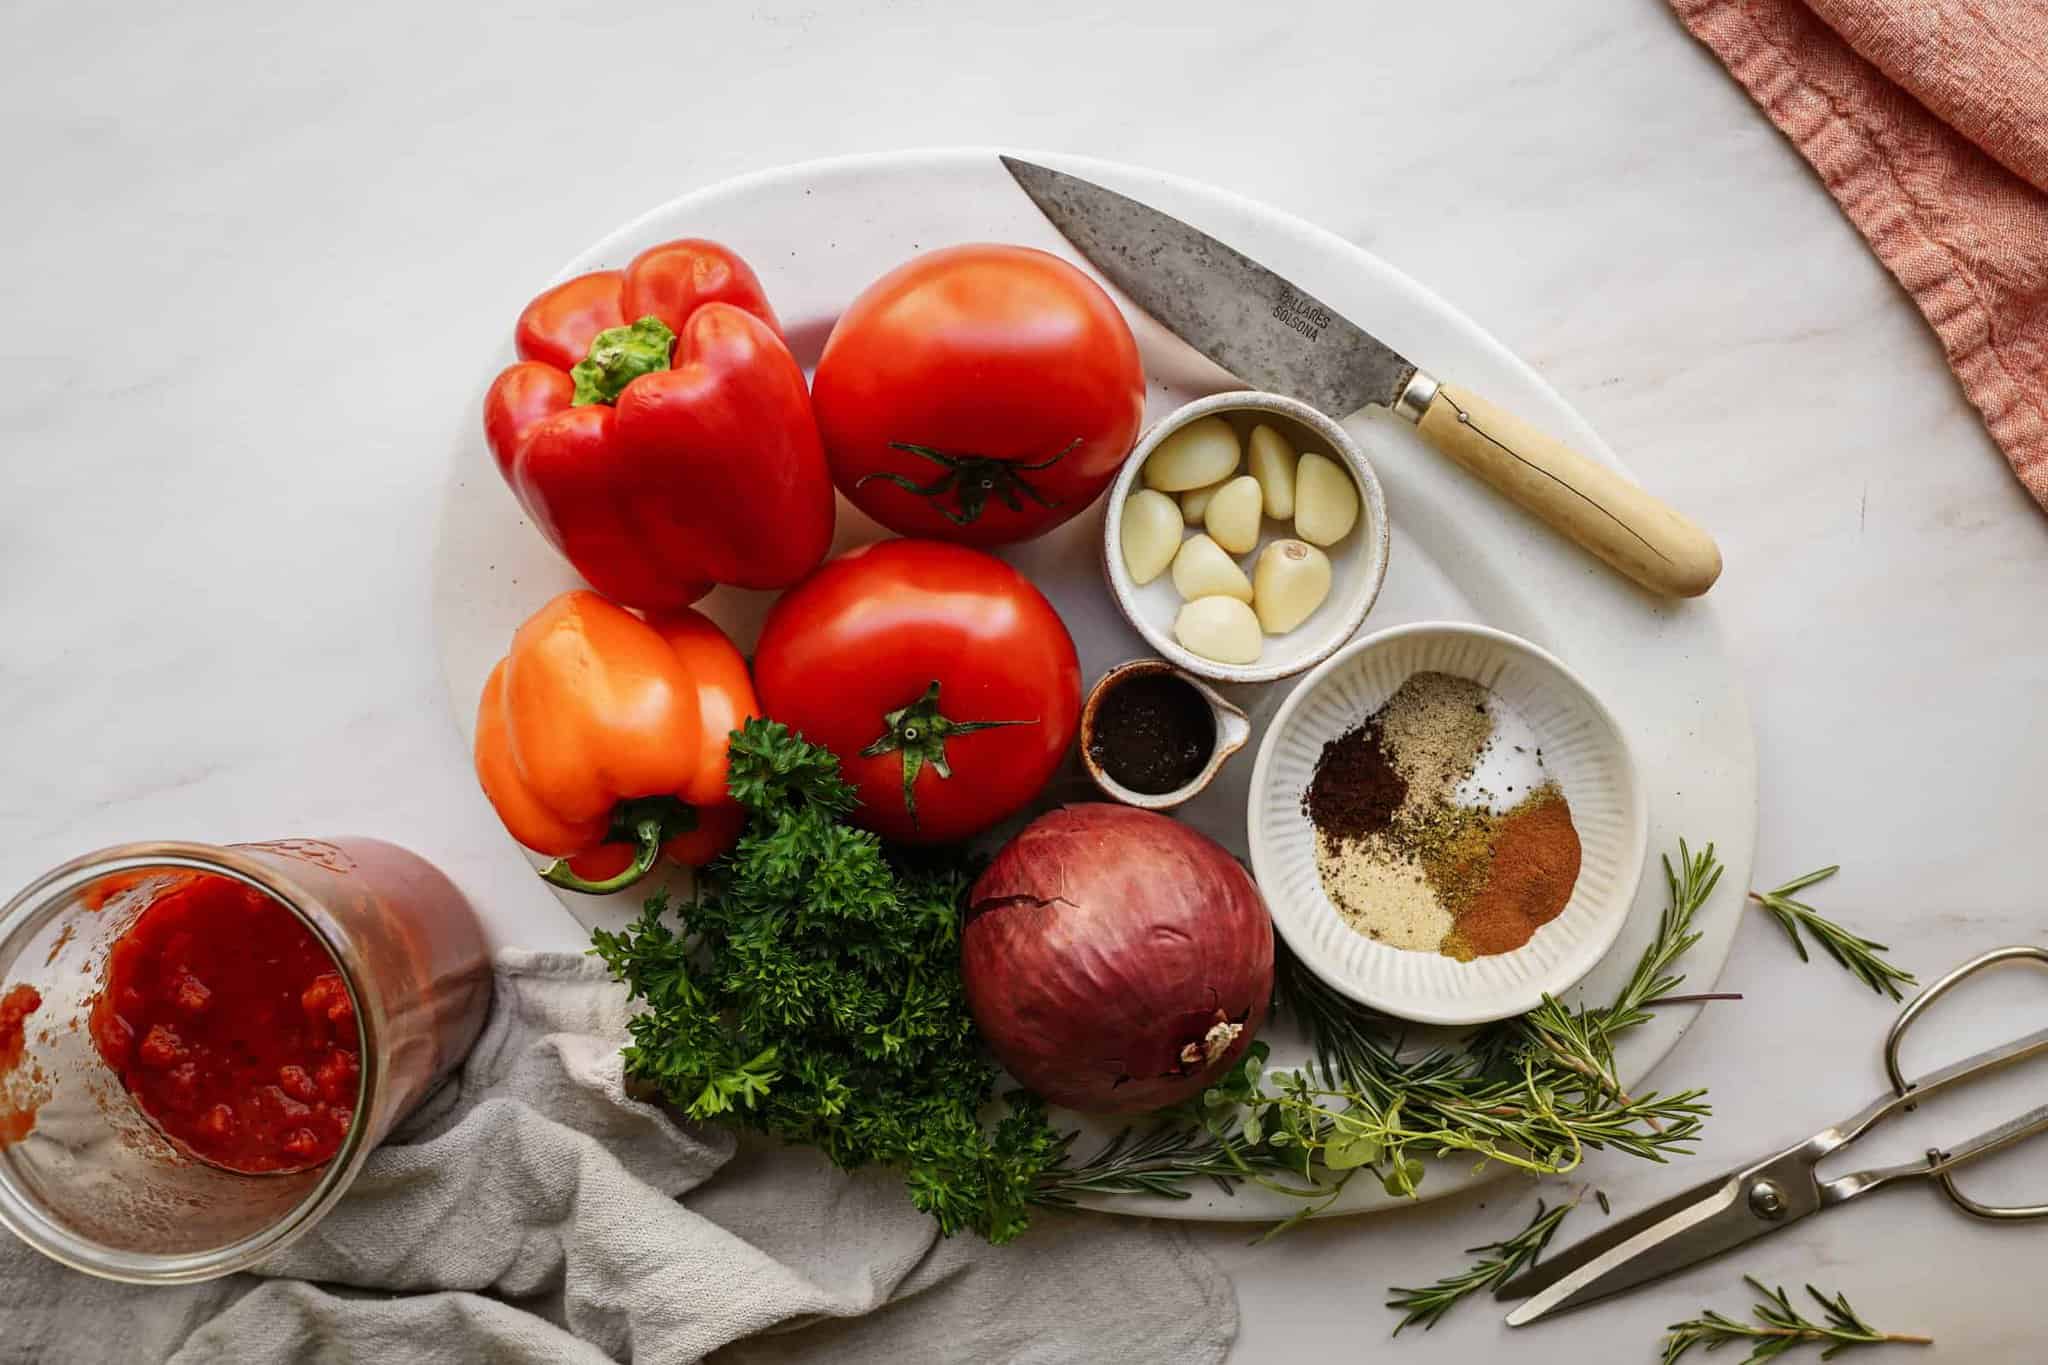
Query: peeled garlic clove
(1290,581)
(1234,513)
(1202,569)
(1195,502)
(1150,531)
(1325,500)
(1272,462)
(1200,453)
(1219,628)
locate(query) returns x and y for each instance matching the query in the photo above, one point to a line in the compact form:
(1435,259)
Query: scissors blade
(1702,1222)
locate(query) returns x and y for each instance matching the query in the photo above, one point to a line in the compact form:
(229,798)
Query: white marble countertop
(252,253)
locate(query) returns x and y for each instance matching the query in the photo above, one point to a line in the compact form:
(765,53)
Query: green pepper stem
(648,833)
(618,356)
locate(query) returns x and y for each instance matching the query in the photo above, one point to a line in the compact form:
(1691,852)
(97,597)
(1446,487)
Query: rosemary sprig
(1860,955)
(1686,888)
(1502,1259)
(1780,1328)
(1160,1161)
(1583,1041)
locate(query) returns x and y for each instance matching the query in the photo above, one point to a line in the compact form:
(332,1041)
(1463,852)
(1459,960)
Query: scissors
(1745,1204)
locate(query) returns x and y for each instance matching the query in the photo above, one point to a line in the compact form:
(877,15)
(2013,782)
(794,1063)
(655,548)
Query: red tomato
(982,394)
(943,680)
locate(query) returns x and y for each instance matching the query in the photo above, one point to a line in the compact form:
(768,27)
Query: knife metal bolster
(1415,396)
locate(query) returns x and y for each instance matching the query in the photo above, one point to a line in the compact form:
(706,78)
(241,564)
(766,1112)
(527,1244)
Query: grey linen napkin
(532,1212)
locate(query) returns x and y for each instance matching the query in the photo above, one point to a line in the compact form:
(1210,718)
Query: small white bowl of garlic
(1246,537)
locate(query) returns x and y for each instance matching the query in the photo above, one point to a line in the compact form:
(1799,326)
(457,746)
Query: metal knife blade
(1262,328)
(1702,1222)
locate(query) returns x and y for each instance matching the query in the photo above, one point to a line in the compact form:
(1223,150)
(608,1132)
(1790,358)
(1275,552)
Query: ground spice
(1529,881)
(1434,727)
(1153,733)
(1455,847)
(1356,788)
(1382,894)
(1412,856)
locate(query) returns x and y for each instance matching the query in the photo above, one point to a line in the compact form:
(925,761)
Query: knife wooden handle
(1636,534)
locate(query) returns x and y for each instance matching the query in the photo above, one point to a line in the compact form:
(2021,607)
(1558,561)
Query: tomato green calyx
(919,732)
(648,823)
(618,356)
(971,480)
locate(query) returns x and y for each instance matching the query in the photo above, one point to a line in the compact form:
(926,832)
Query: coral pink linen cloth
(1928,122)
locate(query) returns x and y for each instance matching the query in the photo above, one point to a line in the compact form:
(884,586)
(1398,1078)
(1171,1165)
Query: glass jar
(85,1177)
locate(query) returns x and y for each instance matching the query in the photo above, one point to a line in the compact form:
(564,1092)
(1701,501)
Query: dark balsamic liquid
(1153,733)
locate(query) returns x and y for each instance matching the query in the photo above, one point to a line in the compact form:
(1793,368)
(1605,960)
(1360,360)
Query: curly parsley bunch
(812,992)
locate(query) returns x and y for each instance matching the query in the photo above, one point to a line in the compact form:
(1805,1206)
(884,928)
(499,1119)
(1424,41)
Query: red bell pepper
(659,433)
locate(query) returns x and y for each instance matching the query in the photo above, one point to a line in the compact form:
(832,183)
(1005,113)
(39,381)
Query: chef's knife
(1274,335)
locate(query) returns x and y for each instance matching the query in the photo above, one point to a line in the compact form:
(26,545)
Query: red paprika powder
(1528,883)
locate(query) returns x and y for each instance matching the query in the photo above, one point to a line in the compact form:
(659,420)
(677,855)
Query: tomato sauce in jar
(229,1024)
(17,1116)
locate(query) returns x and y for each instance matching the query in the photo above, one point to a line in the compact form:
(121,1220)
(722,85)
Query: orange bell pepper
(601,740)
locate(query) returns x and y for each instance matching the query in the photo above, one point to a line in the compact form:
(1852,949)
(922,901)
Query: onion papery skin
(1115,960)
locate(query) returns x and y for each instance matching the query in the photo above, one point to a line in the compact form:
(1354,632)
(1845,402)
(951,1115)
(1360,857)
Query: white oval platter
(817,233)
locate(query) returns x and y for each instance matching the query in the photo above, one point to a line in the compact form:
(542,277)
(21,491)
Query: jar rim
(32,907)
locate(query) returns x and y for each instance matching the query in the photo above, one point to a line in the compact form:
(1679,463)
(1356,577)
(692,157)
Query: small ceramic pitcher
(1233,728)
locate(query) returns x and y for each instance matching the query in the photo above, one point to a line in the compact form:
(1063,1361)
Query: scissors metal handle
(1907,1095)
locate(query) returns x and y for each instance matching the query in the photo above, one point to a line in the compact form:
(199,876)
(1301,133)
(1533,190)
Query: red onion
(1116,960)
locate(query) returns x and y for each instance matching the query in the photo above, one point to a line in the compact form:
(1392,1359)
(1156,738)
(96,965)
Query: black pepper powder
(1153,733)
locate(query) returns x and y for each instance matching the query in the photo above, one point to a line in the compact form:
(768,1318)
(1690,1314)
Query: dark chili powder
(1153,733)
(1356,788)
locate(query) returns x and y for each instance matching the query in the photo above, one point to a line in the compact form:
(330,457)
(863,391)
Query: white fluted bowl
(1583,752)
(1358,562)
